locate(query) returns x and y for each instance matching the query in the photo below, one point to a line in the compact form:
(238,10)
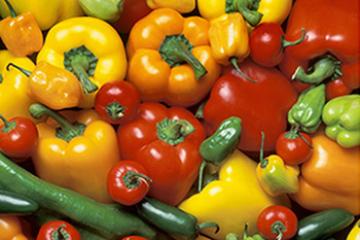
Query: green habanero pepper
(306,112)
(218,146)
(342,117)
(107,10)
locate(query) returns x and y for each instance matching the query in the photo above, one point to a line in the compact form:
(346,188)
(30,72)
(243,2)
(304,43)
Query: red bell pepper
(262,105)
(331,46)
(166,142)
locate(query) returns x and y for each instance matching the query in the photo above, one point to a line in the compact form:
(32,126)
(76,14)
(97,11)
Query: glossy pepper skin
(165,141)
(14,85)
(266,11)
(88,47)
(335,36)
(158,46)
(262,105)
(56,10)
(184,6)
(10,228)
(107,10)
(79,149)
(20,33)
(354,234)
(318,188)
(236,198)
(342,117)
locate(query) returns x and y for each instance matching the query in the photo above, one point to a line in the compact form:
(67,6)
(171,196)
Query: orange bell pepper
(170,58)
(21,34)
(10,228)
(330,179)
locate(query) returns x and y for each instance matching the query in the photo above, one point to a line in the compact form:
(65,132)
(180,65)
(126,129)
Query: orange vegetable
(10,228)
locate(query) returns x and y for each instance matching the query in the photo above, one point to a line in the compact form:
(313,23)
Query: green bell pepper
(342,117)
(306,112)
(107,10)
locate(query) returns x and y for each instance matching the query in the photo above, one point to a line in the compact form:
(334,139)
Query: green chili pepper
(108,10)
(306,112)
(342,117)
(12,203)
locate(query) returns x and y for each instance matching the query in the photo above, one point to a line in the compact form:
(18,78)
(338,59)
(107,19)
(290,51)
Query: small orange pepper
(10,228)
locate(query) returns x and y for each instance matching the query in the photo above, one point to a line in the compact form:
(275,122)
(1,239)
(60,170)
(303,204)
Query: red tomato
(336,88)
(133,11)
(117,102)
(18,137)
(134,238)
(293,148)
(128,182)
(276,221)
(61,229)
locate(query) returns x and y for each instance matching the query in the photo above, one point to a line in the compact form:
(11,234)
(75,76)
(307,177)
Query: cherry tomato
(294,148)
(18,137)
(267,44)
(58,230)
(134,238)
(117,102)
(277,222)
(336,88)
(128,182)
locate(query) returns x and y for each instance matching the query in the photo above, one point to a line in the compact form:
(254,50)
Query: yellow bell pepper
(88,47)
(183,6)
(10,228)
(76,156)
(274,11)
(47,13)
(14,86)
(355,232)
(232,201)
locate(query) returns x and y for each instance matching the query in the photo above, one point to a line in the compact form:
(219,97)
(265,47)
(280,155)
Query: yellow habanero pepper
(232,201)
(88,47)
(183,6)
(170,58)
(14,86)
(77,156)
(47,13)
(355,232)
(254,12)
(10,228)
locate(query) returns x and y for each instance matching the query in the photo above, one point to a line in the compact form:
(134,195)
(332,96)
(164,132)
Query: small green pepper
(342,117)
(306,112)
(13,203)
(107,10)
(233,236)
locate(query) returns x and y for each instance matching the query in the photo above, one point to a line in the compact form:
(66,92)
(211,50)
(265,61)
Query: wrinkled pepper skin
(184,6)
(262,106)
(329,179)
(232,201)
(46,13)
(342,117)
(330,28)
(354,234)
(167,150)
(88,47)
(10,228)
(107,10)
(151,69)
(14,85)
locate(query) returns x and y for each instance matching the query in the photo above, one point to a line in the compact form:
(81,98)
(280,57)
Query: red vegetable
(18,137)
(117,102)
(134,238)
(277,222)
(128,182)
(267,43)
(293,147)
(166,142)
(58,230)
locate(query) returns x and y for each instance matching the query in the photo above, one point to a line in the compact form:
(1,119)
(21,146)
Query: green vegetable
(171,220)
(108,10)
(12,203)
(306,112)
(107,219)
(342,117)
(323,224)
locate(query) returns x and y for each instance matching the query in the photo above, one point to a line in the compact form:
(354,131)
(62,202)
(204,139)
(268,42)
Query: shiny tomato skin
(294,151)
(50,227)
(336,88)
(277,214)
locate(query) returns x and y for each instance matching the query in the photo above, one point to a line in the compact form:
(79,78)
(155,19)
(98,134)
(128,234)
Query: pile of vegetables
(194,119)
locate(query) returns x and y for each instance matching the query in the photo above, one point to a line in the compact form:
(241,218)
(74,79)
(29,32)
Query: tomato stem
(11,9)
(115,110)
(22,70)
(131,179)
(60,234)
(8,125)
(278,228)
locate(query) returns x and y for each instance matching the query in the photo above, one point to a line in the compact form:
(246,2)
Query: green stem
(22,70)
(204,225)
(326,67)
(247,8)
(11,9)
(115,110)
(8,125)
(174,132)
(278,228)
(234,63)
(263,162)
(131,179)
(79,70)
(201,175)
(176,49)
(286,43)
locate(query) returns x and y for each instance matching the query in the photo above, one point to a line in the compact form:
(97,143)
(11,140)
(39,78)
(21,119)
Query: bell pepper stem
(263,162)
(248,9)
(286,43)
(79,66)
(8,125)
(176,49)
(234,63)
(11,9)
(115,110)
(324,68)
(22,70)
(201,175)
(131,179)
(174,132)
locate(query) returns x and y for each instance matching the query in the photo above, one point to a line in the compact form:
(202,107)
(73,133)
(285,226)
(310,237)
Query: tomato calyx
(8,125)
(60,233)
(115,110)
(173,131)
(294,133)
(133,179)
(278,228)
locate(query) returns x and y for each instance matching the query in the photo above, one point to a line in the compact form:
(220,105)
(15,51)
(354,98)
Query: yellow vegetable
(183,6)
(355,232)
